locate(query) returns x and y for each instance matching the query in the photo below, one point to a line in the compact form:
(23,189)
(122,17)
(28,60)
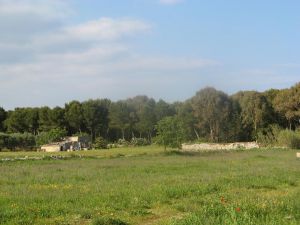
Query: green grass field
(150,186)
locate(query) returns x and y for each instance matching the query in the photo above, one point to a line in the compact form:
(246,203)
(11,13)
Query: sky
(55,51)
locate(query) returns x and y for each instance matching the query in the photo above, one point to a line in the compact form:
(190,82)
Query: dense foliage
(171,132)
(210,115)
(17,141)
(100,143)
(56,134)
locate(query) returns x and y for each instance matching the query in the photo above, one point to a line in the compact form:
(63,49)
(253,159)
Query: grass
(149,186)
(109,153)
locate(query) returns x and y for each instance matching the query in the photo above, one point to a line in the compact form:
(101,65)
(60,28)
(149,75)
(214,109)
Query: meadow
(151,186)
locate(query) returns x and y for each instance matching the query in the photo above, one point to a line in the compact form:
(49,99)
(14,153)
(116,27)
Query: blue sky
(54,51)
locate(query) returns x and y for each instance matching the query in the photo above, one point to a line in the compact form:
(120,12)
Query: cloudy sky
(54,51)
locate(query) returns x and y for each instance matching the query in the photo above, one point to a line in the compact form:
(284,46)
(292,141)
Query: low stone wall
(211,146)
(50,148)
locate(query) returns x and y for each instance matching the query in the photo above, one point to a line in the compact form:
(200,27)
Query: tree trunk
(92,135)
(211,134)
(123,134)
(107,132)
(196,134)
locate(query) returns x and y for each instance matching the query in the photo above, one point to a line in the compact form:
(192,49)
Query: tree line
(210,115)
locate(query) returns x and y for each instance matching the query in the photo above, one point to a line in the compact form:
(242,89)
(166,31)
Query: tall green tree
(171,132)
(163,109)
(184,111)
(287,103)
(213,111)
(256,112)
(272,97)
(23,120)
(147,119)
(45,123)
(32,120)
(95,114)
(57,117)
(119,116)
(74,117)
(15,121)
(3,115)
(143,115)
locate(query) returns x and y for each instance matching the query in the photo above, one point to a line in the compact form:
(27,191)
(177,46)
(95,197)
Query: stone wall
(50,148)
(211,146)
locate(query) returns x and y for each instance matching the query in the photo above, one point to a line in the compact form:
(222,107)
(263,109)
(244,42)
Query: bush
(53,135)
(268,136)
(139,142)
(100,143)
(201,140)
(171,132)
(25,140)
(17,140)
(3,140)
(288,138)
(123,143)
(112,145)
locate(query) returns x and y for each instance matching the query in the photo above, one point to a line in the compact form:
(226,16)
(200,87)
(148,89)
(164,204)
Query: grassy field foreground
(150,186)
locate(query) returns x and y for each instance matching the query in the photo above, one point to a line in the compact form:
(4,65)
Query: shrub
(3,140)
(123,142)
(17,140)
(201,140)
(290,139)
(112,145)
(139,142)
(100,143)
(25,140)
(53,135)
(171,132)
(268,136)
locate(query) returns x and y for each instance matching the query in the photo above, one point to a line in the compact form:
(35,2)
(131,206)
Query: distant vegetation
(271,117)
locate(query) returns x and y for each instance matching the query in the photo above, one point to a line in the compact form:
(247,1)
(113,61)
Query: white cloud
(163,64)
(91,34)
(106,28)
(20,20)
(170,2)
(52,9)
(45,61)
